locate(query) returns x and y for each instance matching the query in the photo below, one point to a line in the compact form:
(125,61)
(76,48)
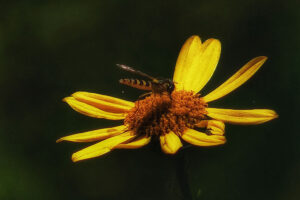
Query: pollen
(161,113)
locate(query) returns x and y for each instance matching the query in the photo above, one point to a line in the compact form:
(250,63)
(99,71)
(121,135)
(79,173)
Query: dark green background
(50,49)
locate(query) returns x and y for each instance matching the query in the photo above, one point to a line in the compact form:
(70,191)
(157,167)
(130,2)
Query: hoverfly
(156,86)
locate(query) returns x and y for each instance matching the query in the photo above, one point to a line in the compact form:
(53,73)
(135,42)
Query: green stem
(182,175)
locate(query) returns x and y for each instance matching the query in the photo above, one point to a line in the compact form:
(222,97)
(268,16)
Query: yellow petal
(235,81)
(94,135)
(103,102)
(201,139)
(137,143)
(196,64)
(102,147)
(170,143)
(189,50)
(214,126)
(255,116)
(92,111)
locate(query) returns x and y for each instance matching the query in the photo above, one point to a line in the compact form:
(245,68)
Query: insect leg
(143,96)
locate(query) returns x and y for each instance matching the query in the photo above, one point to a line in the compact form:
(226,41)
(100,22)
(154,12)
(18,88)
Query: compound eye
(171,87)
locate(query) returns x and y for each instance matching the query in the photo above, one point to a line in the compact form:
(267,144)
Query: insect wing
(134,71)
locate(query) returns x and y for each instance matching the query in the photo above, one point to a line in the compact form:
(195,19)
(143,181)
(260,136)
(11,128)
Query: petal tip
(170,151)
(78,93)
(75,158)
(59,140)
(194,37)
(275,115)
(213,40)
(67,99)
(262,59)
(272,114)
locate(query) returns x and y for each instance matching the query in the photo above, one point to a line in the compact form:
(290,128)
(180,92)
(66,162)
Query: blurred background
(50,49)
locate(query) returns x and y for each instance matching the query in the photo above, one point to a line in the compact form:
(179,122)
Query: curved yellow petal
(92,111)
(235,81)
(94,135)
(103,102)
(188,52)
(170,143)
(255,116)
(196,63)
(102,147)
(213,126)
(137,143)
(201,139)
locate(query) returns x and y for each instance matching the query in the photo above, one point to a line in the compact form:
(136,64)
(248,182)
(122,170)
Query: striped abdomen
(135,83)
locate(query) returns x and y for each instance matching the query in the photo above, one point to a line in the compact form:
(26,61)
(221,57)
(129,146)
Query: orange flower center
(158,114)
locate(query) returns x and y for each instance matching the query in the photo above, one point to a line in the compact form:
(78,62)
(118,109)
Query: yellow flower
(181,115)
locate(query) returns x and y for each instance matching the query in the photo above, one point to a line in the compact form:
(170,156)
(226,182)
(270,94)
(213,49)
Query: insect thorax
(163,85)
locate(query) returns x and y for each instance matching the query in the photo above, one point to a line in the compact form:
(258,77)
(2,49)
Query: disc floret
(159,114)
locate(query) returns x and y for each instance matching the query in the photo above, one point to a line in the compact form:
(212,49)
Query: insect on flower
(179,113)
(156,85)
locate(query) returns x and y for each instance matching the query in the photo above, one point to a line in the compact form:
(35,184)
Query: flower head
(172,117)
